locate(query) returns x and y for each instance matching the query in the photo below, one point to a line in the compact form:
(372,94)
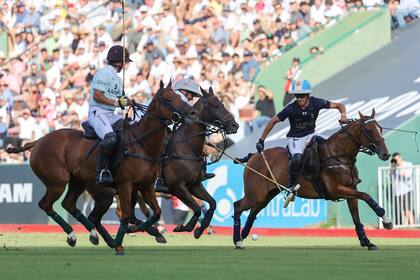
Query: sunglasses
(301,96)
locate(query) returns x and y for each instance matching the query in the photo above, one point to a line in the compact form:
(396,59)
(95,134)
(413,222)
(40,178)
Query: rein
(218,126)
(177,117)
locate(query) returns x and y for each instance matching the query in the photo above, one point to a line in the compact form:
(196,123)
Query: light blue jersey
(107,81)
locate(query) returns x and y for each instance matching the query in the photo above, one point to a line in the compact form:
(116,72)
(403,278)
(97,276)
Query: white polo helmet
(189,85)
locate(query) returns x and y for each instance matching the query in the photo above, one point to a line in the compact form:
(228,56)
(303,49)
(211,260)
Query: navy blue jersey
(302,121)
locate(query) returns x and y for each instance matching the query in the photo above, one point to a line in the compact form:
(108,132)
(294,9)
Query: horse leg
(75,189)
(201,193)
(379,211)
(124,193)
(149,195)
(240,206)
(103,199)
(254,212)
(361,234)
(46,203)
(152,230)
(184,195)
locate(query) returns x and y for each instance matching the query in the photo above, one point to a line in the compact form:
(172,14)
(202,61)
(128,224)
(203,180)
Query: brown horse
(338,176)
(185,166)
(59,159)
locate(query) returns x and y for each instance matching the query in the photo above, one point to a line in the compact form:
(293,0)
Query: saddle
(311,166)
(118,127)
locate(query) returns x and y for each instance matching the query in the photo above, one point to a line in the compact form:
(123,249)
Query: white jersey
(107,81)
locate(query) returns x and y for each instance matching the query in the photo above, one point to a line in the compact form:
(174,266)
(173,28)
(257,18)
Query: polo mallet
(278,185)
(291,196)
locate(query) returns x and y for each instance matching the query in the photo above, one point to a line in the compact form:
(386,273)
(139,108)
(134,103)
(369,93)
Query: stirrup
(160,186)
(104,177)
(291,195)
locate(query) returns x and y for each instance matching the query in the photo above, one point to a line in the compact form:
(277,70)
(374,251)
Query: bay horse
(338,176)
(185,166)
(59,158)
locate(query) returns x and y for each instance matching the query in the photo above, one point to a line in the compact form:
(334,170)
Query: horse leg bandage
(57,218)
(236,229)
(375,207)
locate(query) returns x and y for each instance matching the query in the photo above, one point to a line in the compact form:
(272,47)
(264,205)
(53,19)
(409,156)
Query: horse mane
(344,128)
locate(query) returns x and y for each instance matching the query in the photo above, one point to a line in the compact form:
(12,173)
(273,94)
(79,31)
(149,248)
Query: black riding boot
(106,150)
(293,177)
(294,170)
(103,175)
(208,176)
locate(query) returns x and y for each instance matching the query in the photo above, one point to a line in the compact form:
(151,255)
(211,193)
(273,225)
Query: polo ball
(254,237)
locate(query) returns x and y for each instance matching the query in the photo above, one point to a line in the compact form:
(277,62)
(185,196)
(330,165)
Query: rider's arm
(269,127)
(341,108)
(99,97)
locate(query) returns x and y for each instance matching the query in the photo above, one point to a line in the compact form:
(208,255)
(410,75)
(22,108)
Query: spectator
(402,184)
(264,110)
(250,66)
(292,75)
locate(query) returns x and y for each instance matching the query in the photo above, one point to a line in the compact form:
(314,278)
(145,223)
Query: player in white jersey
(106,93)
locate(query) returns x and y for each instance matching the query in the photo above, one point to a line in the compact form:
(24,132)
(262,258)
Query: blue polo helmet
(301,87)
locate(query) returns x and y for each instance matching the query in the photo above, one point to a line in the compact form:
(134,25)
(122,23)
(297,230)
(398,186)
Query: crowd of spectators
(56,46)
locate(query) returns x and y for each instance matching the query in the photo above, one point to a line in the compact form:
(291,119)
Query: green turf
(47,256)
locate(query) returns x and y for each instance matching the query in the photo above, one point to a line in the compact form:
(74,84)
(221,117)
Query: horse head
(170,106)
(371,136)
(212,110)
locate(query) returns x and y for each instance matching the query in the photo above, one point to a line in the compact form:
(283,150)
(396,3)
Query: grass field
(47,256)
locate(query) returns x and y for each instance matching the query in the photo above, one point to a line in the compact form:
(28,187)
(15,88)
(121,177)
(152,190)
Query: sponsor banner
(227,187)
(20,191)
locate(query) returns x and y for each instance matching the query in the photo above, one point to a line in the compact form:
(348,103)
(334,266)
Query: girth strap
(141,157)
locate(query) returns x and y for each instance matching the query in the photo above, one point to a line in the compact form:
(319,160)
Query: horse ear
(203,91)
(373,113)
(161,84)
(211,91)
(361,115)
(169,84)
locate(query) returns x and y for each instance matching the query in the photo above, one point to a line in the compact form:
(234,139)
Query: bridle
(372,147)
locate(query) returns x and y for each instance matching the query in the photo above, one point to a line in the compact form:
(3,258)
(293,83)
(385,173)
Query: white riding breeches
(297,145)
(102,120)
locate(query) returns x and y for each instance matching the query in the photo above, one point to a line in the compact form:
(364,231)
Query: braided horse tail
(16,150)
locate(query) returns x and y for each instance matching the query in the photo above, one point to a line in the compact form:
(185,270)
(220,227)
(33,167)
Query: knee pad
(110,141)
(295,163)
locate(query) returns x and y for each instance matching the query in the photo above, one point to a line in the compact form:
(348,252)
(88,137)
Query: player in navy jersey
(302,115)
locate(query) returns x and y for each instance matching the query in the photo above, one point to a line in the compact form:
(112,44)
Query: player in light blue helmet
(302,115)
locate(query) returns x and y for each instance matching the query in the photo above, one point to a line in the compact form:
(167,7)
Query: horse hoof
(71,241)
(94,239)
(372,247)
(119,251)
(388,225)
(179,228)
(197,233)
(239,245)
(131,229)
(161,239)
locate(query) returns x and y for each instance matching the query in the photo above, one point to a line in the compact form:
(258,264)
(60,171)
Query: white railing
(399,194)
